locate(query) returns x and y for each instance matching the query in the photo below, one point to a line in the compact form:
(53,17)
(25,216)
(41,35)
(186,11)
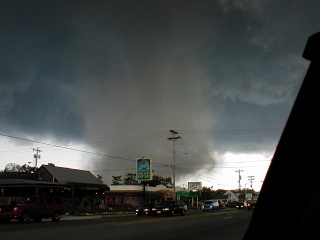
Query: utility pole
(36,157)
(251,178)
(239,179)
(174,138)
(245,192)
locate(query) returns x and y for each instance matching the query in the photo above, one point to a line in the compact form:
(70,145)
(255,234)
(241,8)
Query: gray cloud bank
(117,75)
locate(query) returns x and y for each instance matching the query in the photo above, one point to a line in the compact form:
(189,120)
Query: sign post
(195,188)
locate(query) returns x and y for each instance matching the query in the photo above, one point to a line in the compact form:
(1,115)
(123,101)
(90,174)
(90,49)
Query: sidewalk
(67,217)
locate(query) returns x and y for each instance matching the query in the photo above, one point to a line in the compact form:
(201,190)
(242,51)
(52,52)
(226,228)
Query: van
(210,205)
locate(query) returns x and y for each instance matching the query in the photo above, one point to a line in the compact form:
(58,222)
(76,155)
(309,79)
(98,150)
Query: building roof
(69,175)
(17,181)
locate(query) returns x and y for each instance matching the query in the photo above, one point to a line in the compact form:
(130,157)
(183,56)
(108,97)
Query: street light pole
(174,138)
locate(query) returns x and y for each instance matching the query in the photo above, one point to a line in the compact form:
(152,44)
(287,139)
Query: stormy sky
(97,84)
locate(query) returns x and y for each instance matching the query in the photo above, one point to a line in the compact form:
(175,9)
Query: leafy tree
(157,180)
(99,178)
(130,179)
(206,193)
(117,180)
(27,168)
(14,167)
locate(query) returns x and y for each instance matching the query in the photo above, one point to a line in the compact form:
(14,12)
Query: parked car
(170,208)
(146,209)
(251,204)
(210,205)
(35,208)
(241,205)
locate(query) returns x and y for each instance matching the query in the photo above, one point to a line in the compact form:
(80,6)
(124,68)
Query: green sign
(144,169)
(189,194)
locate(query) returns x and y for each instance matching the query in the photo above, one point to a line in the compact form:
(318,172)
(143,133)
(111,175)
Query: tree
(99,178)
(157,180)
(130,179)
(117,180)
(206,193)
(14,167)
(27,168)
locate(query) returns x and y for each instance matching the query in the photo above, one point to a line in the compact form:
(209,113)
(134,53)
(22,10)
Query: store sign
(144,171)
(195,186)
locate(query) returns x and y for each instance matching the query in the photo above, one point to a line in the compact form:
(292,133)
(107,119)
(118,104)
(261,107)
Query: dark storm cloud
(100,71)
(35,71)
(45,108)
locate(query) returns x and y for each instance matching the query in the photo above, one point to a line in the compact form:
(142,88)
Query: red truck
(35,208)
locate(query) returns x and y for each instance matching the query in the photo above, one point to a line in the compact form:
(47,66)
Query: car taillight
(16,209)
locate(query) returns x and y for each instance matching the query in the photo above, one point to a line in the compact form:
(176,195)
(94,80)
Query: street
(224,224)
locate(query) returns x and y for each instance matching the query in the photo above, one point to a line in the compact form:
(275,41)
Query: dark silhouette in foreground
(293,175)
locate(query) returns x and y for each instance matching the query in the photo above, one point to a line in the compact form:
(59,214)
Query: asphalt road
(225,224)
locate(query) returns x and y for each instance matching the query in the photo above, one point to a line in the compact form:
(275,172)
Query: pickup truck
(35,208)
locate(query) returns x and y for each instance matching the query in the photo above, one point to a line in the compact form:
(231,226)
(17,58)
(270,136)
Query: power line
(73,149)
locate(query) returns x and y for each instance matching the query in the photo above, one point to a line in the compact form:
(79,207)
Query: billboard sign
(144,171)
(194,186)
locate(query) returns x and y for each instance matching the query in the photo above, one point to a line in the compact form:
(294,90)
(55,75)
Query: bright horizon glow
(226,176)
(223,176)
(252,166)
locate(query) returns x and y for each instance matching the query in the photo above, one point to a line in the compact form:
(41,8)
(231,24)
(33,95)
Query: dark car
(251,204)
(146,209)
(241,205)
(170,208)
